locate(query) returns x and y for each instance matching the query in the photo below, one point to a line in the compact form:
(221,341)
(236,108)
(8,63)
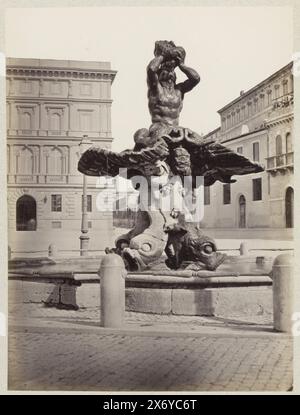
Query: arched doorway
(289,207)
(26,213)
(242,212)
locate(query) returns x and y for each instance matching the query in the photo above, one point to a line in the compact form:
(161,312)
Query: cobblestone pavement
(39,311)
(96,361)
(59,361)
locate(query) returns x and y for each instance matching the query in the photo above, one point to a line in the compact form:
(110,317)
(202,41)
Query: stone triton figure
(166,150)
(165,97)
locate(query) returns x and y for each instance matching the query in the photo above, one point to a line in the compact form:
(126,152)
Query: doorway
(26,213)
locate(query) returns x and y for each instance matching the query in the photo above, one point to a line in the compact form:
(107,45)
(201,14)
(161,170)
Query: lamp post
(84,237)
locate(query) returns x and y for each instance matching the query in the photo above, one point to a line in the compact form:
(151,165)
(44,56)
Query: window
(255,106)
(257,189)
(289,144)
(239,150)
(26,121)
(89,203)
(279,158)
(243,113)
(56,203)
(277,91)
(56,225)
(85,120)
(233,118)
(249,109)
(206,195)
(255,151)
(226,194)
(55,88)
(224,124)
(285,87)
(269,97)
(24,162)
(55,162)
(55,122)
(26,86)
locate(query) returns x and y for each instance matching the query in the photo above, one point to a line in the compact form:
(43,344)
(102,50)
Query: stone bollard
(52,250)
(112,290)
(244,249)
(282,276)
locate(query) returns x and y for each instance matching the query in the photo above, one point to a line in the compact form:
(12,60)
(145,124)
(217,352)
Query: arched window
(55,122)
(279,157)
(26,213)
(25,161)
(26,121)
(55,162)
(289,144)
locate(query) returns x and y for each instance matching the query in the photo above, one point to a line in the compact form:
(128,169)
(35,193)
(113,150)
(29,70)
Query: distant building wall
(251,125)
(51,104)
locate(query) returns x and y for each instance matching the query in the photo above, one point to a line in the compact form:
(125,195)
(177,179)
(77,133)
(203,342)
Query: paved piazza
(55,353)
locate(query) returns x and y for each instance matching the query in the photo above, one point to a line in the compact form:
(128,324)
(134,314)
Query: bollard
(52,250)
(282,276)
(244,249)
(112,290)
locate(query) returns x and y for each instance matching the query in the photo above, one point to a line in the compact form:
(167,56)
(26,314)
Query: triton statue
(160,153)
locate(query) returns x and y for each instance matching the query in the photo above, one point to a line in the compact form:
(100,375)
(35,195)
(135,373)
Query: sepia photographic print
(148,186)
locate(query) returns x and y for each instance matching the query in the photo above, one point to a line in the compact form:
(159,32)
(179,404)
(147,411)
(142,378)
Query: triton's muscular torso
(165,104)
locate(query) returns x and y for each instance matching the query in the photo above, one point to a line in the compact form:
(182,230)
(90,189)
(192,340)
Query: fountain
(164,154)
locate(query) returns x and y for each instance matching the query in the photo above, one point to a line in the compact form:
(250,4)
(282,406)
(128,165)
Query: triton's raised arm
(191,82)
(152,69)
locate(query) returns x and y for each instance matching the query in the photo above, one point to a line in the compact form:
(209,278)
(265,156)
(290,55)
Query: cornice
(282,119)
(61,100)
(61,139)
(253,133)
(60,73)
(287,69)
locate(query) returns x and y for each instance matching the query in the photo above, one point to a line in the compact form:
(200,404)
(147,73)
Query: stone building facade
(51,104)
(259,125)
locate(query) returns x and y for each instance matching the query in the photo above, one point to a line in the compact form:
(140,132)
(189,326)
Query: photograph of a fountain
(174,163)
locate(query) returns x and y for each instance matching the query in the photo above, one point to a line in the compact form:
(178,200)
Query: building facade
(259,125)
(51,104)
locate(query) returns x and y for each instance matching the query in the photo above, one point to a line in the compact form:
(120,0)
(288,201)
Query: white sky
(232,48)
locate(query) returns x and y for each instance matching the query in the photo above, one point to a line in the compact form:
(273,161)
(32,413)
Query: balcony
(281,163)
(284,101)
(282,110)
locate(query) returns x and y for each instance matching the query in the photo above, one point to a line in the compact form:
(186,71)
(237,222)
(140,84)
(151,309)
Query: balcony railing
(281,161)
(283,101)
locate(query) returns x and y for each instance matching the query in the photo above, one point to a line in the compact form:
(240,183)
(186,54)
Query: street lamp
(84,238)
